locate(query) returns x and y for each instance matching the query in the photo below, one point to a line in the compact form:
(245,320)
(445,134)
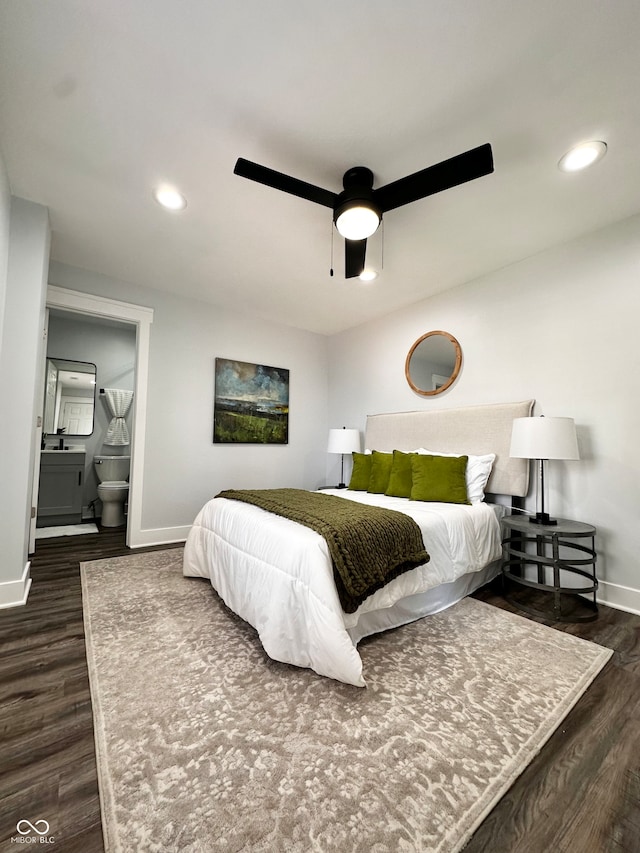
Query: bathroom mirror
(69,398)
(433,363)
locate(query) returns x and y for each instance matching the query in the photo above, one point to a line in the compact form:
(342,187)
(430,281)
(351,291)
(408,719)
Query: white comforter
(277,574)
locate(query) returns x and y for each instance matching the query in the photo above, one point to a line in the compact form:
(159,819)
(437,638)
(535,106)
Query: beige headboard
(473,429)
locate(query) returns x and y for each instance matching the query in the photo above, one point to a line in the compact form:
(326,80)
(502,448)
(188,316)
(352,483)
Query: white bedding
(277,575)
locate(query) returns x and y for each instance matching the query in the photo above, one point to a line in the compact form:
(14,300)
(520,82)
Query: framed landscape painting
(251,403)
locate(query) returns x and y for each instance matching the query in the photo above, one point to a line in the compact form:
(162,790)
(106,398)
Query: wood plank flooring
(47,757)
(580,795)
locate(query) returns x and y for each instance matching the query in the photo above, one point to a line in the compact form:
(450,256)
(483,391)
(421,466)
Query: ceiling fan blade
(279,181)
(354,255)
(450,173)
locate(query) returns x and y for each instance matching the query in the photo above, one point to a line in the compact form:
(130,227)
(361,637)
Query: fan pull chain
(331,269)
(382,248)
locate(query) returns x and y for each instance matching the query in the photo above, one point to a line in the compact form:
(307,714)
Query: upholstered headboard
(473,429)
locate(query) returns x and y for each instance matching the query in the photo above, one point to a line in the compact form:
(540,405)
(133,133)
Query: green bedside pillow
(380,471)
(361,472)
(439,478)
(401,478)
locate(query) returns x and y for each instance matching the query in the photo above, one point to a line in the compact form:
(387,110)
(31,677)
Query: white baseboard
(15,593)
(158,536)
(620,597)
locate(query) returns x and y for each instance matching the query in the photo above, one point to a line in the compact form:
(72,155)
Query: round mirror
(433,363)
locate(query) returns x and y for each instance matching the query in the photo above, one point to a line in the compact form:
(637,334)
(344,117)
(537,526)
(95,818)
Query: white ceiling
(100,101)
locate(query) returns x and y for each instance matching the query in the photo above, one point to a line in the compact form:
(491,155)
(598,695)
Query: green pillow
(361,472)
(439,478)
(380,470)
(401,478)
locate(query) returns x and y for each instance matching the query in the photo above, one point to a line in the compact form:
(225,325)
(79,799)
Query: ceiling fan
(358,209)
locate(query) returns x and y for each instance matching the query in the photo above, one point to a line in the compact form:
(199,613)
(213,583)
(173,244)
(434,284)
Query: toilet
(113,488)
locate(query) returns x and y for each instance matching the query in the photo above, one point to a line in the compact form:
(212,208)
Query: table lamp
(343,441)
(543,438)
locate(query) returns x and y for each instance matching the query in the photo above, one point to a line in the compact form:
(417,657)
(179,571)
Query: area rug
(205,744)
(65,530)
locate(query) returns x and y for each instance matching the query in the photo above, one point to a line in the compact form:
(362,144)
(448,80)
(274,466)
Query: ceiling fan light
(357,222)
(583,155)
(368,275)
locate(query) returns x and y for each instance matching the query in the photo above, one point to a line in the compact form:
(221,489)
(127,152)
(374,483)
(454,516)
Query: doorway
(121,313)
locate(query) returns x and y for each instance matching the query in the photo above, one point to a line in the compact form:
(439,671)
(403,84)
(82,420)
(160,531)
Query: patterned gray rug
(205,744)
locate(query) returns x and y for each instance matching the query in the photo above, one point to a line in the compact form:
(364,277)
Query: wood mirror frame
(452,373)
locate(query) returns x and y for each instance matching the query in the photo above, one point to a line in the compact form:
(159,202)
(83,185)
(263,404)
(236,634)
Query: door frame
(35,480)
(141,317)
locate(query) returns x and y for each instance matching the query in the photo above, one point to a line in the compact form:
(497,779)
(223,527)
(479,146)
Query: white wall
(5,218)
(559,327)
(182,467)
(21,349)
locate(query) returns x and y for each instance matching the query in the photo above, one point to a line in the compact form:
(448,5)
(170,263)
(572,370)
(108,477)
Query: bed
(278,575)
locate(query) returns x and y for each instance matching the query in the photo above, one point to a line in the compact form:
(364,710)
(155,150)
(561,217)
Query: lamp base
(340,486)
(543,518)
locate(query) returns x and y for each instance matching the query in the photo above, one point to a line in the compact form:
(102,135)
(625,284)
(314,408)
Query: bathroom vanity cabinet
(60,492)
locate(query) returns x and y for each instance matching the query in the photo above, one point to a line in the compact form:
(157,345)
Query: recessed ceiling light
(583,155)
(368,275)
(170,198)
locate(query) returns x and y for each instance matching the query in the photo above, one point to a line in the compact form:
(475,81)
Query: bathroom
(110,346)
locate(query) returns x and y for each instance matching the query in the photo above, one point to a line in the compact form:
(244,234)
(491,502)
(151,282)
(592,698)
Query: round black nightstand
(555,552)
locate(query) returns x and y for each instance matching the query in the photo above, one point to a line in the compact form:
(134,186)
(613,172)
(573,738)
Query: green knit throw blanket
(369,545)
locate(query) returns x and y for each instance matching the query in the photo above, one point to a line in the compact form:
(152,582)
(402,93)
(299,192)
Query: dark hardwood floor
(47,758)
(581,794)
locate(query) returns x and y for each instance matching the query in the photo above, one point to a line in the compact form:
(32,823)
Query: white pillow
(476,475)
(419,450)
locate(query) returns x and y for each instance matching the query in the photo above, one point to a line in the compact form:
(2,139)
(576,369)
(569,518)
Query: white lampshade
(544,438)
(357,223)
(343,441)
